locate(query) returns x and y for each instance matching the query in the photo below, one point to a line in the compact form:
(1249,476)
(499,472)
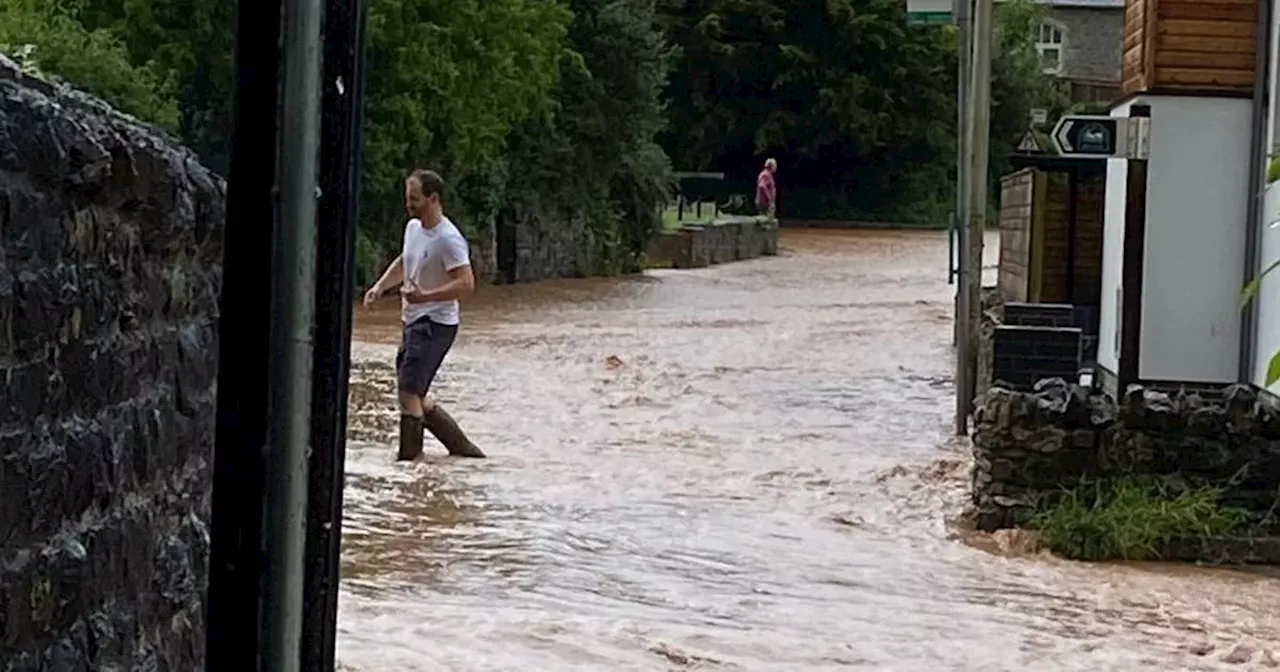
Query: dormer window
(1049,44)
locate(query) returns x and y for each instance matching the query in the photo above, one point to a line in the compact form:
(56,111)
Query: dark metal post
(293,301)
(1073,232)
(1257,188)
(232,641)
(1133,260)
(340,156)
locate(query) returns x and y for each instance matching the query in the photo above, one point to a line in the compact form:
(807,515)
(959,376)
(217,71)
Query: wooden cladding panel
(1054,241)
(1194,46)
(1091,197)
(1017,198)
(1040,262)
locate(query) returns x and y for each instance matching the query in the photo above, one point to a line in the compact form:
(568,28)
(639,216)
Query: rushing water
(739,468)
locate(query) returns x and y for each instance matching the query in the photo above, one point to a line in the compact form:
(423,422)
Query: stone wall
(532,246)
(110,253)
(728,239)
(1029,444)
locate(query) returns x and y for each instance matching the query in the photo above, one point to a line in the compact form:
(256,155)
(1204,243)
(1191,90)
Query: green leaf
(1251,289)
(1273,369)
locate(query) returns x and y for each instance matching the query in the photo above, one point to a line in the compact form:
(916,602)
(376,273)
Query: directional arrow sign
(1092,137)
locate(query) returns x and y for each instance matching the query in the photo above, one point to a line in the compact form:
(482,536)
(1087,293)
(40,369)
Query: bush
(1131,519)
(48,40)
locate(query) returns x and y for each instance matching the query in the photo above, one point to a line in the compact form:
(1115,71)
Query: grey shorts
(422,350)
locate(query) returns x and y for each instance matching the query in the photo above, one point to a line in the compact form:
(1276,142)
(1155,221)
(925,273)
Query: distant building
(1080,42)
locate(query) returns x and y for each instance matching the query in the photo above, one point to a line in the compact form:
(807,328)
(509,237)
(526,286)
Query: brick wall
(110,253)
(1039,314)
(1025,355)
(1093,40)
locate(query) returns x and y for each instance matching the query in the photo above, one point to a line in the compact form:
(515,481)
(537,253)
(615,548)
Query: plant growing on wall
(1249,293)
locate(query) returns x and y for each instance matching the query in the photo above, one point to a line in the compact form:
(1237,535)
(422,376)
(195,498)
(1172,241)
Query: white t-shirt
(429,254)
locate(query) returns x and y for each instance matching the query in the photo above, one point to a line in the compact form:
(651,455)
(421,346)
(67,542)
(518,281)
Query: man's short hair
(430,182)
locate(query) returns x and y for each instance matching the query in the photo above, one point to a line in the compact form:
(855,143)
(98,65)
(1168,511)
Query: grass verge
(1131,519)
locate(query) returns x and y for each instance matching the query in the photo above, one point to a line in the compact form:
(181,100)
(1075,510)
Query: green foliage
(1130,519)
(448,80)
(1018,85)
(190,44)
(593,154)
(1273,170)
(858,105)
(1249,293)
(49,38)
(569,109)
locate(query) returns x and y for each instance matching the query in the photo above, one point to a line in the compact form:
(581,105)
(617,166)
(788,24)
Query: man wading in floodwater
(433,271)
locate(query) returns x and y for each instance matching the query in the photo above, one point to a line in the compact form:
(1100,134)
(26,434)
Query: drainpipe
(964,73)
(1258,153)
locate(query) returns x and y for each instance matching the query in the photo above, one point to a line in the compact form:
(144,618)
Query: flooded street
(747,467)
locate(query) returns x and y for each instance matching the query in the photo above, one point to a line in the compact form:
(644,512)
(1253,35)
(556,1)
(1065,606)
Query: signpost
(1101,137)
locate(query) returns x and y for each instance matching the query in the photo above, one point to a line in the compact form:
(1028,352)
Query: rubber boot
(410,437)
(446,430)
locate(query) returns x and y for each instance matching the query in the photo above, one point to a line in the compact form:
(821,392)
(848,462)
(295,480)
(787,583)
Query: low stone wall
(729,239)
(542,248)
(794,223)
(1028,444)
(110,254)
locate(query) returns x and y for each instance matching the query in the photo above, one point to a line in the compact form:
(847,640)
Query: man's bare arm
(462,282)
(393,276)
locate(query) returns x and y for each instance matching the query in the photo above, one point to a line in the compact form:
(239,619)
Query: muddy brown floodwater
(745,467)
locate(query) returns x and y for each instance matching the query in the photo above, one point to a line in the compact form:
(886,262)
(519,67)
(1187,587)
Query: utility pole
(963,12)
(979,149)
(293,294)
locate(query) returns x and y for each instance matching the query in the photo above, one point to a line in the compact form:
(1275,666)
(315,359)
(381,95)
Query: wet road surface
(746,467)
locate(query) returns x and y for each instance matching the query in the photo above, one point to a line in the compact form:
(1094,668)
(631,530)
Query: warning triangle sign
(1029,144)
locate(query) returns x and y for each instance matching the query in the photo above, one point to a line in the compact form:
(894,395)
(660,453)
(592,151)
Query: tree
(858,105)
(49,38)
(448,80)
(593,154)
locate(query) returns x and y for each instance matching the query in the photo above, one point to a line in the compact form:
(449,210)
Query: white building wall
(1112,259)
(1197,203)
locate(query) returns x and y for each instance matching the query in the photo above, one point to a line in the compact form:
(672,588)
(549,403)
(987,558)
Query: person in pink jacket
(767,189)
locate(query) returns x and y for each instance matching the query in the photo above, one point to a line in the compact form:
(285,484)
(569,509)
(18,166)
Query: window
(1049,45)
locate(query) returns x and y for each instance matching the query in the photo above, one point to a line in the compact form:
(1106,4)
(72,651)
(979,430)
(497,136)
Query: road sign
(1029,144)
(929,12)
(1099,137)
(1039,115)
